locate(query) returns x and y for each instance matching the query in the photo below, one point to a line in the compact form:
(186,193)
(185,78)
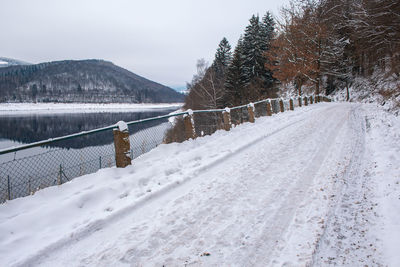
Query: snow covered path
(292,189)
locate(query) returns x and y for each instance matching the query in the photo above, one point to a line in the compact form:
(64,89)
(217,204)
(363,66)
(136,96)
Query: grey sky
(160,40)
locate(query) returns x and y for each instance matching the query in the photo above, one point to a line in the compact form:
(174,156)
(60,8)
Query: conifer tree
(252,50)
(223,57)
(235,80)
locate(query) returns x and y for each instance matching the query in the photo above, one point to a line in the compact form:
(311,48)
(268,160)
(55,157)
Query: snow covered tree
(235,81)
(207,88)
(252,50)
(223,57)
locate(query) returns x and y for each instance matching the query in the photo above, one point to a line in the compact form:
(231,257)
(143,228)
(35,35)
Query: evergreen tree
(256,41)
(235,79)
(223,56)
(252,50)
(267,30)
(267,35)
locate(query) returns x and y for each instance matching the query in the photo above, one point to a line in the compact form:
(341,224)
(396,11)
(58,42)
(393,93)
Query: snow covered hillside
(316,186)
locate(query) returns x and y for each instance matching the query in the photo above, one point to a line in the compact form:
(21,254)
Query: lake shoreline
(56,108)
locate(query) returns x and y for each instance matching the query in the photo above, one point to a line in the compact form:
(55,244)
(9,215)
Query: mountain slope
(6,62)
(80,81)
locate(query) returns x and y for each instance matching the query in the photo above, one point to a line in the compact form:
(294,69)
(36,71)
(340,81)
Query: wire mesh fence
(23,172)
(26,169)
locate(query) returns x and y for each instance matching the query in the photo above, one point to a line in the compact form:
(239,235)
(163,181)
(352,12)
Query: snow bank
(380,88)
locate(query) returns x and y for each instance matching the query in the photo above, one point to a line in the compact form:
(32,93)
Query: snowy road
(293,189)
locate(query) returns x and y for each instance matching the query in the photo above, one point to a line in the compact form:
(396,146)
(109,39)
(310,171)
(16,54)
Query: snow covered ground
(314,187)
(45,108)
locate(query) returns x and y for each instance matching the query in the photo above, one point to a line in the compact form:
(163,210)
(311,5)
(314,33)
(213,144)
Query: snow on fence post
(250,109)
(291,104)
(299,98)
(122,145)
(189,125)
(227,119)
(305,101)
(269,109)
(281,106)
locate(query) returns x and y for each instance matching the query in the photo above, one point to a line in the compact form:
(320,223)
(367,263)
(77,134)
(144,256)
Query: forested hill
(80,81)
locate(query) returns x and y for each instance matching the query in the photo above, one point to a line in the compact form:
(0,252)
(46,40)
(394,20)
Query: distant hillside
(91,81)
(6,62)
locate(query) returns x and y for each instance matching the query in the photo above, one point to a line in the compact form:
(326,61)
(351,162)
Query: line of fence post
(124,153)
(122,145)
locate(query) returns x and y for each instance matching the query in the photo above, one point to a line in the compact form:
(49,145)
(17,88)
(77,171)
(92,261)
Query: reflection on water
(37,127)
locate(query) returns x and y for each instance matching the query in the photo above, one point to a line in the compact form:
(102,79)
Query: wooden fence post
(269,108)
(250,110)
(299,98)
(189,125)
(122,145)
(311,100)
(281,106)
(291,104)
(227,119)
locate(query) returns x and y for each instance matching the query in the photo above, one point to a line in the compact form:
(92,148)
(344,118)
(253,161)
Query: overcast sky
(160,40)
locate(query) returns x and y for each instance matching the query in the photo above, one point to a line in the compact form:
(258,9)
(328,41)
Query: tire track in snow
(279,223)
(345,240)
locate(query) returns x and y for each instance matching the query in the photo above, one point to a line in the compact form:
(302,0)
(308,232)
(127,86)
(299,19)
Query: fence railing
(28,168)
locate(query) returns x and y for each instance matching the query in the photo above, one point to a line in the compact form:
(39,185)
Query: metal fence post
(122,145)
(100,162)
(8,187)
(269,108)
(282,107)
(250,109)
(227,119)
(60,175)
(291,104)
(299,99)
(189,125)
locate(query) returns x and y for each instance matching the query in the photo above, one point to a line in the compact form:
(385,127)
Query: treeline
(321,44)
(239,76)
(328,43)
(93,81)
